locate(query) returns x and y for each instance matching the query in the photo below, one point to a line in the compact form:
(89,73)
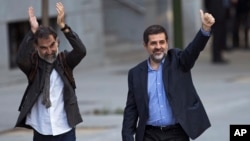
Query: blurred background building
(112,32)
(110,29)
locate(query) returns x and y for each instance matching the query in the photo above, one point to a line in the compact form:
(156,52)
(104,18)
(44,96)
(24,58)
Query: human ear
(58,41)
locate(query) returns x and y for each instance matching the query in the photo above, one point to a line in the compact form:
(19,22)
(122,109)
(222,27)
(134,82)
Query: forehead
(46,41)
(157,37)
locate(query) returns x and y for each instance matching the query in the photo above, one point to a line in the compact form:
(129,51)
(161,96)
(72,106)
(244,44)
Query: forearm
(198,43)
(78,52)
(75,42)
(24,53)
(192,51)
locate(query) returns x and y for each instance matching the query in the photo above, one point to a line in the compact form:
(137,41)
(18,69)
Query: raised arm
(74,57)
(32,19)
(188,57)
(61,17)
(26,47)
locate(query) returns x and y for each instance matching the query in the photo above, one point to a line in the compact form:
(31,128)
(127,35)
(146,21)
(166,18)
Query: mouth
(50,55)
(158,52)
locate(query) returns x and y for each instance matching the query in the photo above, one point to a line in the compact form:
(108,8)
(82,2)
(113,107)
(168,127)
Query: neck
(154,65)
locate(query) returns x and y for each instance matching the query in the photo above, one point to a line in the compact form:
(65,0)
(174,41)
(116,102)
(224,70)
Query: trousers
(171,133)
(68,136)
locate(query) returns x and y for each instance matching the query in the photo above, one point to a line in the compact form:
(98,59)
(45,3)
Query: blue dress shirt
(160,112)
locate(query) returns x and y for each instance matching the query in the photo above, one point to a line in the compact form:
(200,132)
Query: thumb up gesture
(207,21)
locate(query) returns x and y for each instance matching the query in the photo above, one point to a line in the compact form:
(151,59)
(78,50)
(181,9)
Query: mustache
(53,54)
(48,55)
(158,49)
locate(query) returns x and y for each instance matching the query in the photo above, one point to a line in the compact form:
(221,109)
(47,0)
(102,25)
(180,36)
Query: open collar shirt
(52,120)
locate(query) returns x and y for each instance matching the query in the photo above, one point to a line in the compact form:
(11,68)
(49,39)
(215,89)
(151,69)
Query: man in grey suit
(162,103)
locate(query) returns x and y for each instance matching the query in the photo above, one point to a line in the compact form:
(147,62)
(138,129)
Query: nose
(49,51)
(158,46)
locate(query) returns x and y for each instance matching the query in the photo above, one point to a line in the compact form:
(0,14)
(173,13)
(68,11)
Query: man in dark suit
(162,103)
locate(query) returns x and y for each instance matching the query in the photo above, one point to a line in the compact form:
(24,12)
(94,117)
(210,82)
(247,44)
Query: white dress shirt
(52,120)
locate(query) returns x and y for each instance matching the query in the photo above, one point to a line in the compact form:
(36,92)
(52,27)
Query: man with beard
(49,105)
(162,103)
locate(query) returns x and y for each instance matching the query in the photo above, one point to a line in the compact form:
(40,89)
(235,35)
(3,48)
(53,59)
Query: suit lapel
(144,81)
(166,78)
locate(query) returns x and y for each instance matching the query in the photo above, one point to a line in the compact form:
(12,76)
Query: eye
(152,43)
(52,45)
(43,47)
(162,42)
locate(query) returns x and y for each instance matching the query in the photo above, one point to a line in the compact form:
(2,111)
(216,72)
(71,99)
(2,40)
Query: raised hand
(207,21)
(32,19)
(60,16)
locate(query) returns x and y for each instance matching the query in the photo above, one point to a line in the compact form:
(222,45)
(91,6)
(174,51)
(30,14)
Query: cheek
(54,49)
(42,52)
(165,47)
(150,49)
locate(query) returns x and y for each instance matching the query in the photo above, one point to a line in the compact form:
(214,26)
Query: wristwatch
(65,27)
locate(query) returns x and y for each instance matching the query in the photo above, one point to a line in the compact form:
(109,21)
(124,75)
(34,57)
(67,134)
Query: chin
(50,59)
(159,57)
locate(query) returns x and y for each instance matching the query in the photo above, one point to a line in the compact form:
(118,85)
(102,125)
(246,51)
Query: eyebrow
(49,45)
(157,41)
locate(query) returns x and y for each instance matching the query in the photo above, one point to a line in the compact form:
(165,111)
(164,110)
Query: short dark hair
(153,29)
(44,32)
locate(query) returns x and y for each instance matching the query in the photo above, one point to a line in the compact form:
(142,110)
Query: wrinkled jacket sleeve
(26,48)
(188,57)
(78,52)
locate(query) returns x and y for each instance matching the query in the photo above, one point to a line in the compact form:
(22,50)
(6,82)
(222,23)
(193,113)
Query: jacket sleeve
(78,52)
(130,113)
(190,54)
(24,53)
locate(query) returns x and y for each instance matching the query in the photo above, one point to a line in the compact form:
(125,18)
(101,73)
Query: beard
(49,58)
(158,55)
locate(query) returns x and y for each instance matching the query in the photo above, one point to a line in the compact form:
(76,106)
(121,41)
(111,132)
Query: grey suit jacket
(183,98)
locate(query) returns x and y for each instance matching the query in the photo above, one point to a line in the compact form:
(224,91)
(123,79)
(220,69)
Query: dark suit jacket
(184,100)
(32,92)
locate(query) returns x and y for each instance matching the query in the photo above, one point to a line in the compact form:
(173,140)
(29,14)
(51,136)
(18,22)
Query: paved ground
(224,90)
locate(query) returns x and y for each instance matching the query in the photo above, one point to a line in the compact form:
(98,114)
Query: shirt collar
(149,66)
